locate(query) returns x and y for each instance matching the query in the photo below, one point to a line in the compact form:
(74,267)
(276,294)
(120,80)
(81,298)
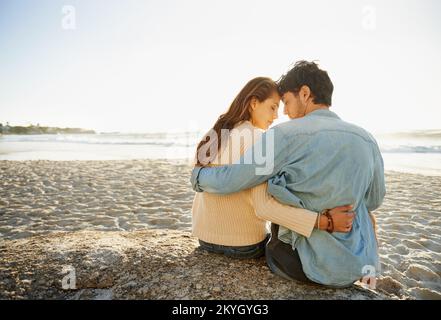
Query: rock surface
(150,264)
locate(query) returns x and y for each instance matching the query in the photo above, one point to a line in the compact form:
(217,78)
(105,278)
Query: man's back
(330,163)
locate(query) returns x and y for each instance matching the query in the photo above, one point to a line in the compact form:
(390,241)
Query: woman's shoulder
(247,125)
(246,133)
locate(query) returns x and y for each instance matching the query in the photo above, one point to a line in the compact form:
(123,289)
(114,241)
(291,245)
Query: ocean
(411,152)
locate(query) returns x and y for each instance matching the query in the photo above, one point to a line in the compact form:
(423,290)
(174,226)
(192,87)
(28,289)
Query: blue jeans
(282,259)
(285,262)
(238,252)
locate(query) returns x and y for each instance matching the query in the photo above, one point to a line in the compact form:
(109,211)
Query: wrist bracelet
(330,227)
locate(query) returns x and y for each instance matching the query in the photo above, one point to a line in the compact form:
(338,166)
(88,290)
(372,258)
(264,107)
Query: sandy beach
(39,198)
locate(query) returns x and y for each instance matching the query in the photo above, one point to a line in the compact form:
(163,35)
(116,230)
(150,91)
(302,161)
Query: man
(318,162)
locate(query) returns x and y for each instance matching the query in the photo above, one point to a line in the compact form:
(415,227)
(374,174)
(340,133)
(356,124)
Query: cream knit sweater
(240,219)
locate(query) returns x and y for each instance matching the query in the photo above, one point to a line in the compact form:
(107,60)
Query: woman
(235,224)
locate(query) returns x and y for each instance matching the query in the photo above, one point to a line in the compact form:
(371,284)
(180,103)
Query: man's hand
(342,218)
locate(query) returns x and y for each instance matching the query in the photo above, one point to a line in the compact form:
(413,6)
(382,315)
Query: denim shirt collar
(323,113)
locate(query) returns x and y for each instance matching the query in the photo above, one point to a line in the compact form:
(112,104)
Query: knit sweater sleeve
(267,208)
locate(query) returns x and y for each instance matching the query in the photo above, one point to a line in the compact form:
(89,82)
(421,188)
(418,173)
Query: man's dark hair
(305,73)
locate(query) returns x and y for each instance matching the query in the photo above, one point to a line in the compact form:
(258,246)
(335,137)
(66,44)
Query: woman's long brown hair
(260,88)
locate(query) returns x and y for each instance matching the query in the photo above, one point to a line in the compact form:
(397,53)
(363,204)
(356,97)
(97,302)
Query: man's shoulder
(357,130)
(313,126)
(289,126)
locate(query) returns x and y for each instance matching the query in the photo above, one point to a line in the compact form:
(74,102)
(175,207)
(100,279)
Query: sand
(42,196)
(38,198)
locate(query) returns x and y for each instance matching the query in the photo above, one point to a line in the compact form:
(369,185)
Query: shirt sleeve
(267,208)
(259,163)
(377,188)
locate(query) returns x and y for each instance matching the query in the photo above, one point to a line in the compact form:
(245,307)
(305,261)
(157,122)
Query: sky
(146,66)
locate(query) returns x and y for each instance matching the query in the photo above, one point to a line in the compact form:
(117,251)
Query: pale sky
(142,66)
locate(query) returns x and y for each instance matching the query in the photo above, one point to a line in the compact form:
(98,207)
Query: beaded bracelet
(330,227)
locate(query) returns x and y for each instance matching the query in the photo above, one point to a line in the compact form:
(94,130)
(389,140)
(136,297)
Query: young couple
(318,164)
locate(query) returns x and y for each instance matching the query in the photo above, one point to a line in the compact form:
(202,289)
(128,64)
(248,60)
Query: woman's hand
(342,218)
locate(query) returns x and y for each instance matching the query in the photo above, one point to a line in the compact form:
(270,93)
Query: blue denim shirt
(319,162)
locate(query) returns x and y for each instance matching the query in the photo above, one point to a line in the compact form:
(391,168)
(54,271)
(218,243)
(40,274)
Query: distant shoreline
(21,130)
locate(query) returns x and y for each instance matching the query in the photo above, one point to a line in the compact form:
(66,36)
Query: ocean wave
(164,140)
(190,140)
(411,149)
(418,134)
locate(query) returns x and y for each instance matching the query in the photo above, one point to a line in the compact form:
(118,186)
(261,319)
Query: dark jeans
(282,259)
(239,252)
